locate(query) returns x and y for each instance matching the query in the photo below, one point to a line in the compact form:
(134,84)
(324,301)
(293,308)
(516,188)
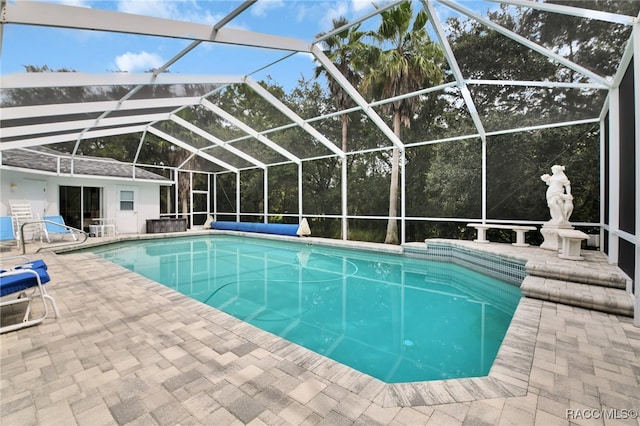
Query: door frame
(124,217)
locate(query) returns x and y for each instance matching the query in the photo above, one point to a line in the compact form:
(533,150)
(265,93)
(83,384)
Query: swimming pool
(395,318)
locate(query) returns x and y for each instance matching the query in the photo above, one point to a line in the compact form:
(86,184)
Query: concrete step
(576,274)
(605,299)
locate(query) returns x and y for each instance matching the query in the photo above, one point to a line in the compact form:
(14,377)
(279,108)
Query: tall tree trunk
(392,224)
(183,194)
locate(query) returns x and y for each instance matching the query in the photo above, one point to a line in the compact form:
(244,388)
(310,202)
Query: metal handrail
(42,221)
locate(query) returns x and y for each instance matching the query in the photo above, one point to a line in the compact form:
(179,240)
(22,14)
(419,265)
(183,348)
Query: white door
(35,192)
(127,210)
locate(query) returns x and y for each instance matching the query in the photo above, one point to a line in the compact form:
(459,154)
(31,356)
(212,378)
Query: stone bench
(520,231)
(571,243)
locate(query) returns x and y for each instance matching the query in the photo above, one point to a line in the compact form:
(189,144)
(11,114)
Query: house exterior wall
(42,193)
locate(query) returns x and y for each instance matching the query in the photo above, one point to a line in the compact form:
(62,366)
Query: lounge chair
(54,226)
(7,233)
(22,215)
(18,279)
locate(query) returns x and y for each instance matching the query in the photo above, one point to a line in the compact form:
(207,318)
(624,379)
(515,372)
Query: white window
(127,200)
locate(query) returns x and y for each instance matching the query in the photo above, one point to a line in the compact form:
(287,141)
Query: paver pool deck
(129,351)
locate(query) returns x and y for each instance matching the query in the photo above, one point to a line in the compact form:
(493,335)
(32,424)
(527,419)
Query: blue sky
(100,52)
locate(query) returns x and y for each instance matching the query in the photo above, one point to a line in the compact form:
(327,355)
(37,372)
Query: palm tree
(406,60)
(346,50)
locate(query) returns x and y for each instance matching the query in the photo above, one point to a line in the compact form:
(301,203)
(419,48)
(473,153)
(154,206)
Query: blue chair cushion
(33,265)
(18,282)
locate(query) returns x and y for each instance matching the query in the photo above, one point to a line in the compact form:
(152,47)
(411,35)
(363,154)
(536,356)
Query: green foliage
(403,60)
(321,186)
(242,102)
(368,184)
(347,51)
(594,44)
(226,193)
(252,191)
(514,188)
(367,230)
(122,148)
(325,227)
(445,180)
(422,230)
(283,189)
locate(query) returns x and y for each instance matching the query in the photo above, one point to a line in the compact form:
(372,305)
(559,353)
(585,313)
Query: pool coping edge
(508,376)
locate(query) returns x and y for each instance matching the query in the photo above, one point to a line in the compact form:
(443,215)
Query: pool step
(590,296)
(591,284)
(575,274)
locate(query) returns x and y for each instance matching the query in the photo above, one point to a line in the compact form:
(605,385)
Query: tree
(406,60)
(345,50)
(594,44)
(516,161)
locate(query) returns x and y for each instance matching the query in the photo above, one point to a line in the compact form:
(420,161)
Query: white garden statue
(560,202)
(559,198)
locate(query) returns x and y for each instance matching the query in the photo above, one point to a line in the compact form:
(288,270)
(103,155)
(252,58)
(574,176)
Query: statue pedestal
(552,240)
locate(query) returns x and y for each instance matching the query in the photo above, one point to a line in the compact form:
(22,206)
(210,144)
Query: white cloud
(347,8)
(336,10)
(157,8)
(135,62)
(181,10)
(361,5)
(79,3)
(261,7)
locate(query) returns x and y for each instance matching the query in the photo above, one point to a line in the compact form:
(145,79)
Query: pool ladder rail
(42,222)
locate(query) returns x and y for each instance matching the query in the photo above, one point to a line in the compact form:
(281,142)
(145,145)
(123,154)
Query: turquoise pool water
(395,318)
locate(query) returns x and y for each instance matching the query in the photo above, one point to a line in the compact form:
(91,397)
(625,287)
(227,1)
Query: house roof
(43,159)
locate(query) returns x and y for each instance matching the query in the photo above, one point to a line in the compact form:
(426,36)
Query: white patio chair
(21,214)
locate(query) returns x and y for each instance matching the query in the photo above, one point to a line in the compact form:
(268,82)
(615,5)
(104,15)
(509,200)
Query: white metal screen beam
(34,111)
(249,130)
(140,144)
(191,149)
(635,37)
(2,4)
(62,16)
(218,142)
(549,84)
(572,11)
(544,126)
(293,116)
(63,126)
(526,42)
(409,95)
(72,136)
(626,59)
(502,132)
(76,79)
(614,174)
